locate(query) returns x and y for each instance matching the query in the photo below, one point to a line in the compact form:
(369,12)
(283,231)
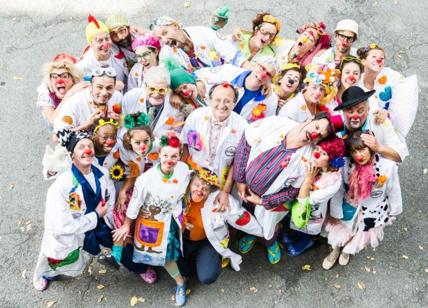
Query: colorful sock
(116,252)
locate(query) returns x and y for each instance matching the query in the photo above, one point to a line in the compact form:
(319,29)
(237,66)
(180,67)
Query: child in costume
(156,208)
(369,199)
(206,235)
(322,181)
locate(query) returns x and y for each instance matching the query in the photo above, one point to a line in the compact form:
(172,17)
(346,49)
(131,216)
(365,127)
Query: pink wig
(334,147)
(149,40)
(324,41)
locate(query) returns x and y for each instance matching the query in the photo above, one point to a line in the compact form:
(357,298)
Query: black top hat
(353,96)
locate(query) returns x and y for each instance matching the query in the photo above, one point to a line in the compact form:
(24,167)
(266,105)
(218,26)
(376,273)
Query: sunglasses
(65,75)
(145,55)
(101,71)
(161,91)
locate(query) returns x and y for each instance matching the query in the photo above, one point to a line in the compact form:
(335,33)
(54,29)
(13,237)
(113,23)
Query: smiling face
(169,156)
(187,90)
(101,45)
(343,41)
(290,82)
(320,157)
(307,41)
(171,35)
(222,101)
(375,60)
(61,81)
(361,156)
(314,131)
(140,142)
(313,92)
(356,116)
(262,74)
(199,190)
(264,35)
(350,75)
(102,89)
(147,56)
(105,139)
(156,92)
(83,153)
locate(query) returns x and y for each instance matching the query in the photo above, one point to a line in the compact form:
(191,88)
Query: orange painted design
(67,119)
(153,156)
(383,79)
(152,224)
(170,121)
(116,155)
(141,100)
(134,169)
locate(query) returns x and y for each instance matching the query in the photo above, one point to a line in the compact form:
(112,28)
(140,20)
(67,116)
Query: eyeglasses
(104,70)
(344,38)
(161,91)
(265,32)
(65,75)
(145,55)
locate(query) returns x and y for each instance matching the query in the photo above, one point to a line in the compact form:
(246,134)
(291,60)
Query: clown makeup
(101,46)
(350,74)
(102,89)
(264,35)
(147,56)
(199,190)
(83,153)
(361,156)
(375,60)
(307,41)
(156,92)
(140,142)
(121,36)
(61,81)
(343,41)
(356,116)
(222,102)
(171,35)
(314,131)
(290,82)
(187,90)
(105,139)
(169,156)
(314,93)
(320,158)
(260,75)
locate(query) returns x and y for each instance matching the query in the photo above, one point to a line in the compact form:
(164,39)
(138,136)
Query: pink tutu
(338,234)
(363,239)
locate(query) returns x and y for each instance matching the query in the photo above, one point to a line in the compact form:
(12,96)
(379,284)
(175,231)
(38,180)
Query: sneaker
(274,253)
(149,276)
(108,260)
(344,259)
(246,243)
(41,284)
(180,295)
(331,259)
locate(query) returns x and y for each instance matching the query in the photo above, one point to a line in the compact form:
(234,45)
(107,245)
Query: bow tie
(218,124)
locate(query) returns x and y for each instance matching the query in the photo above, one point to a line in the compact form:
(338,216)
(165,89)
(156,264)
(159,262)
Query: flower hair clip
(139,119)
(337,163)
(272,20)
(170,139)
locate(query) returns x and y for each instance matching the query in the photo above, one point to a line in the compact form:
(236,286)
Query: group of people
(169,139)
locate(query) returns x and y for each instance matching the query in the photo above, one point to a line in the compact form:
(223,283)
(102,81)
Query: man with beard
(382,139)
(195,47)
(269,169)
(96,101)
(345,34)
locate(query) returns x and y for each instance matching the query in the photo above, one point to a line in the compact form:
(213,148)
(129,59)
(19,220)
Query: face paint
(170,163)
(105,45)
(379,60)
(313,135)
(143,148)
(60,82)
(317,155)
(88,152)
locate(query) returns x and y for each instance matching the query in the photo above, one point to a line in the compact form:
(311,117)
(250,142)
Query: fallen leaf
(426,270)
(307,267)
(173,298)
(90,269)
(425,170)
(367,269)
(404,257)
(100,286)
(253,289)
(102,271)
(50,303)
(188,291)
(374,272)
(337,286)
(28,227)
(101,298)
(421,248)
(24,274)
(11,186)
(337,275)
(133,301)
(222,290)
(270,286)
(405,229)
(18,78)
(141,299)
(361,285)
(186,4)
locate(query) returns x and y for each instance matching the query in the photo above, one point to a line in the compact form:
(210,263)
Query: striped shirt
(263,171)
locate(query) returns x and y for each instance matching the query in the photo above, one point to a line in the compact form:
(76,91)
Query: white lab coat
(327,57)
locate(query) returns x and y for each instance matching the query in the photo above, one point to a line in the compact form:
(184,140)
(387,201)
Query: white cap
(347,25)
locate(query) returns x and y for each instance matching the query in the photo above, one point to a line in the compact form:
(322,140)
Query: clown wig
(335,149)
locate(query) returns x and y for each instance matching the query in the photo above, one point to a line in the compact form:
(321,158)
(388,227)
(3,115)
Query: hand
(119,85)
(281,103)
(176,101)
(120,201)
(242,191)
(101,209)
(311,171)
(113,115)
(97,114)
(222,201)
(380,116)
(121,234)
(237,35)
(267,89)
(200,85)
(253,198)
(371,141)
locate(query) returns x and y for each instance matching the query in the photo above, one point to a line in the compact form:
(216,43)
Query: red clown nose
(379,60)
(186,93)
(88,152)
(314,135)
(263,75)
(359,158)
(111,142)
(60,81)
(355,118)
(317,155)
(351,78)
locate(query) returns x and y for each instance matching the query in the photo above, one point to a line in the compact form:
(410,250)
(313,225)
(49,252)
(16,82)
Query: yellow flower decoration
(117,172)
(373,46)
(272,20)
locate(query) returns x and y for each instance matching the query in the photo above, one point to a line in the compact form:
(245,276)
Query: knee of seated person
(208,279)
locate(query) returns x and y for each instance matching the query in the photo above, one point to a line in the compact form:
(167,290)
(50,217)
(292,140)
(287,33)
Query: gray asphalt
(395,275)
